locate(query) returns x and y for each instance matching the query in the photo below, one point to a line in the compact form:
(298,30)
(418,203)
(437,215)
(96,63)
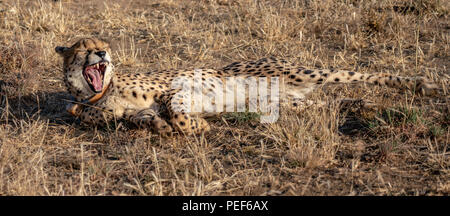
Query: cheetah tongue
(95,79)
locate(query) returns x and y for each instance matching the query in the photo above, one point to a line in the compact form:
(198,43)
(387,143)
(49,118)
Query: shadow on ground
(40,105)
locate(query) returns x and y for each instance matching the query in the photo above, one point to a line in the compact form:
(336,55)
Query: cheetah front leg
(149,118)
(94,115)
(180,120)
(91,114)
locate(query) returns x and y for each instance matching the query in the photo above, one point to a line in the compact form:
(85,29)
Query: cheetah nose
(101,54)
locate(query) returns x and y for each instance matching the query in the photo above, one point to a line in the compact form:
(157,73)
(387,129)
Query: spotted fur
(147,99)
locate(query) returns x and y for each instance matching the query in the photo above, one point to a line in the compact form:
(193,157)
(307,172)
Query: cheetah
(150,99)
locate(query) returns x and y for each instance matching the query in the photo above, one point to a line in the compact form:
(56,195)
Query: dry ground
(402,149)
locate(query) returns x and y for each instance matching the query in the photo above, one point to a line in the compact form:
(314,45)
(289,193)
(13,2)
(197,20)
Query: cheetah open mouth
(94,74)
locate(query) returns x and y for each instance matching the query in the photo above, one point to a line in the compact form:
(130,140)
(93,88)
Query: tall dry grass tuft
(309,139)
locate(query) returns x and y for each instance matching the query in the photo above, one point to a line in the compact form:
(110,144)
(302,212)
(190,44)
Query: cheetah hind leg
(179,119)
(363,106)
(149,118)
(187,124)
(299,104)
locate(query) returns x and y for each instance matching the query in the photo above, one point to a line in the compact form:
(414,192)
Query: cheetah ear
(61,50)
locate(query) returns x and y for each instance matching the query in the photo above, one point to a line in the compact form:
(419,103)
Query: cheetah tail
(419,85)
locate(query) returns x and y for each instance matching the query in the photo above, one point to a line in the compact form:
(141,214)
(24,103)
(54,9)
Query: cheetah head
(87,67)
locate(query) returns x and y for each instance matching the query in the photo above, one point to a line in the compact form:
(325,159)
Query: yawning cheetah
(148,99)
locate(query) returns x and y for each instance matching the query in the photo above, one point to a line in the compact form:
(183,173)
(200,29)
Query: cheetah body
(148,99)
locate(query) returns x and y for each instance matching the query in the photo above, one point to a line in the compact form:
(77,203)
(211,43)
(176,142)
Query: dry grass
(400,150)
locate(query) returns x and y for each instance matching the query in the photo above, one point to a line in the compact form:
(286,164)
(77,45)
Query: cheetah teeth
(97,65)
